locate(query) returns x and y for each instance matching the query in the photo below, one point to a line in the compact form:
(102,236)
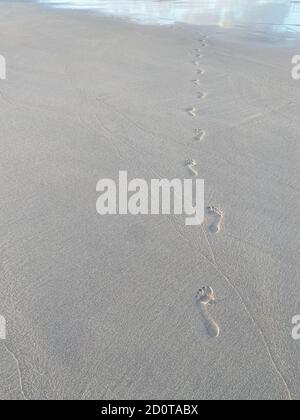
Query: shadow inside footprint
(199,134)
(211,326)
(191,164)
(202,95)
(205,297)
(192,112)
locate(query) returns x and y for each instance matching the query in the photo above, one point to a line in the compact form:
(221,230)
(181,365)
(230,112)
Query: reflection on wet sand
(277,15)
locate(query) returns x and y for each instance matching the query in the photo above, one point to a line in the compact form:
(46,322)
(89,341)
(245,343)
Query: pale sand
(104,307)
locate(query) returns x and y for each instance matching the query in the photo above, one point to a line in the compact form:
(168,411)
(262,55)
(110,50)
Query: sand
(104,307)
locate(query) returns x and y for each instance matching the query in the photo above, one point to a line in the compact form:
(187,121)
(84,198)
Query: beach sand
(103,307)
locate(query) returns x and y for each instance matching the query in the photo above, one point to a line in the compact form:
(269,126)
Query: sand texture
(104,307)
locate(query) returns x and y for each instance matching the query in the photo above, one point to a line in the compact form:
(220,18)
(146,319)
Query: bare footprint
(218,216)
(205,297)
(197,82)
(202,95)
(192,112)
(199,134)
(201,71)
(197,63)
(191,163)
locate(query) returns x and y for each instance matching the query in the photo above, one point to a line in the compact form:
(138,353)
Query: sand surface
(103,307)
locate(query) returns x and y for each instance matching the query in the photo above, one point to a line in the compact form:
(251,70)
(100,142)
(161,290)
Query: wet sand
(104,307)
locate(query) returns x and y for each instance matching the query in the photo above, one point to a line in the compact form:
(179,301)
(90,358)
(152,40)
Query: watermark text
(2,68)
(160,197)
(296,67)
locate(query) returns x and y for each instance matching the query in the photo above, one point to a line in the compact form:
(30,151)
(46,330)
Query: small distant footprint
(197,63)
(203,43)
(199,134)
(192,112)
(197,82)
(205,297)
(202,95)
(201,71)
(217,216)
(191,163)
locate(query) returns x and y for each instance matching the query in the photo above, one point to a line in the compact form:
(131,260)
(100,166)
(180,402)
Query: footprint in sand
(197,63)
(217,215)
(202,95)
(201,71)
(203,298)
(199,134)
(197,82)
(192,112)
(191,163)
(203,43)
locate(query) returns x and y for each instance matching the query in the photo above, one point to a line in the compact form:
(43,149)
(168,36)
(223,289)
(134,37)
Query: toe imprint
(205,295)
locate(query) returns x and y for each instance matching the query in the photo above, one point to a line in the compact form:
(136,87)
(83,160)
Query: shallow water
(277,15)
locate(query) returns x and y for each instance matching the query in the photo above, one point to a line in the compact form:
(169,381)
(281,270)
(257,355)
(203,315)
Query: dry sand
(103,307)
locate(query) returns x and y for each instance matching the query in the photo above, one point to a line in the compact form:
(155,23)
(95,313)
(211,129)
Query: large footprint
(205,297)
(217,216)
